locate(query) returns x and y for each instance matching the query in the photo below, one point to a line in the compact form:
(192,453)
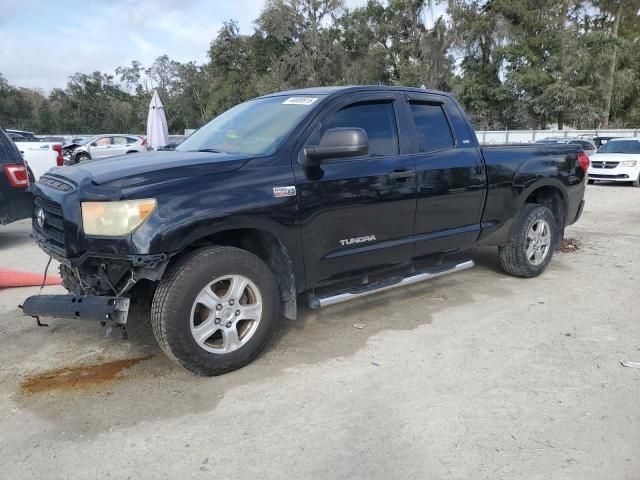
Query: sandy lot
(472,376)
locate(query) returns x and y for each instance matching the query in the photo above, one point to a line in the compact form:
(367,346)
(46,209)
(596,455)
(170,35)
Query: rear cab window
(431,125)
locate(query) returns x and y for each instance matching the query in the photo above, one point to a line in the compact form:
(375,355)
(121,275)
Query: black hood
(150,167)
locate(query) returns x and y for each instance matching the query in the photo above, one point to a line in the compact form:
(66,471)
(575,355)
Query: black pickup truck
(319,195)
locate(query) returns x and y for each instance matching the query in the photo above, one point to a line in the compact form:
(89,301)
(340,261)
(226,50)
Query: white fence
(496,137)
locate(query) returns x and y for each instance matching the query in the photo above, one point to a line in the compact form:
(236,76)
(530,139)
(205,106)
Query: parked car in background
(174,141)
(51,138)
(21,136)
(39,156)
(101,146)
(16,199)
(600,141)
(587,145)
(618,160)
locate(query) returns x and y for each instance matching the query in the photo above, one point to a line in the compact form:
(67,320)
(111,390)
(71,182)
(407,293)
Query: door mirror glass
(338,143)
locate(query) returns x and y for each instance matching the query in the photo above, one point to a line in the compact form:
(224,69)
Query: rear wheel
(535,237)
(215,309)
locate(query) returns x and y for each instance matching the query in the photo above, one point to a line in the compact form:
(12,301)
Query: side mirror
(93,144)
(338,143)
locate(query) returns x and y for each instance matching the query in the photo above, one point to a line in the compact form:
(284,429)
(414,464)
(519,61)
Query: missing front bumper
(89,307)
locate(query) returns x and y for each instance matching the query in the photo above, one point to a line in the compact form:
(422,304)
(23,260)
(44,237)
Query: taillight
(59,158)
(17,175)
(144,141)
(583,158)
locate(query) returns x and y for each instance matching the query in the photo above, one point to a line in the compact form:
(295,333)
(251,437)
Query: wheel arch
(265,245)
(552,195)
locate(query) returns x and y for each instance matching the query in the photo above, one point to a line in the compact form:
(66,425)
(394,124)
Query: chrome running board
(358,292)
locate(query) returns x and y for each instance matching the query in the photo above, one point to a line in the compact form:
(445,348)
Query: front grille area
(55,183)
(607,165)
(51,233)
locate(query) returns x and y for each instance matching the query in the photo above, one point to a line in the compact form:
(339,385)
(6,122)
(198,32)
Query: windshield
(256,127)
(621,146)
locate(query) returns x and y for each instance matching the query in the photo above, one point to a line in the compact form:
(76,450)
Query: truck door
(357,213)
(451,179)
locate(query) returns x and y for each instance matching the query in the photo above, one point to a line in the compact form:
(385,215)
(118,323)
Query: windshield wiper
(210,150)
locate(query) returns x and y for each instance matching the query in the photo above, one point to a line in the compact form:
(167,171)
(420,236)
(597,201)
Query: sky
(43,42)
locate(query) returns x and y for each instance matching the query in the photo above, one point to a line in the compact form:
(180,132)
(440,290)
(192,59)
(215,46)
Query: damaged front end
(99,290)
(100,282)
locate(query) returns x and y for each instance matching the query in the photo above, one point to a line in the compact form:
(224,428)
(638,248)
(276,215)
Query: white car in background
(38,155)
(587,145)
(618,160)
(101,146)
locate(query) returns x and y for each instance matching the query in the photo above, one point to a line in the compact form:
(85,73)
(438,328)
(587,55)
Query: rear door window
(432,127)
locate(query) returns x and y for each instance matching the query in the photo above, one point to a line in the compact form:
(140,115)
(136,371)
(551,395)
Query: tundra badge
(350,241)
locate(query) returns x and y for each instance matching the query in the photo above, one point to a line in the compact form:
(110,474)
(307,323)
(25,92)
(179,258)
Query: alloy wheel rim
(225,314)
(538,242)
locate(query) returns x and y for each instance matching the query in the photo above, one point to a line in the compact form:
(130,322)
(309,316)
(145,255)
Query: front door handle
(401,174)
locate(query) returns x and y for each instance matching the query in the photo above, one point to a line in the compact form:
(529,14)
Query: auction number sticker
(300,101)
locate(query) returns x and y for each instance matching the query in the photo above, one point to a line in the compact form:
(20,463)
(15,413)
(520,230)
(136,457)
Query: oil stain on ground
(76,378)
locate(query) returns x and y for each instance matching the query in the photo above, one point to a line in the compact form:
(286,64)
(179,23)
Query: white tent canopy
(157,130)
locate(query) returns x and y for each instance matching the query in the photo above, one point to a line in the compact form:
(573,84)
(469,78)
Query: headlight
(115,218)
(629,163)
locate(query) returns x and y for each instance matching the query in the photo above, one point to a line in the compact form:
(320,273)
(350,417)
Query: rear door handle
(401,173)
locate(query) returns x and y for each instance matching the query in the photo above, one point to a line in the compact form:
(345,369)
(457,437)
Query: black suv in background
(16,200)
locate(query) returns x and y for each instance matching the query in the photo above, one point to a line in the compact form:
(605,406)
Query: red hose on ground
(14,278)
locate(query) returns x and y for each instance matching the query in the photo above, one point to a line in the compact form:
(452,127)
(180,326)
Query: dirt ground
(472,376)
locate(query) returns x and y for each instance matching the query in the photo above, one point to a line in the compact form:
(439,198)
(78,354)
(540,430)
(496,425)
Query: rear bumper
(89,307)
(15,204)
(579,214)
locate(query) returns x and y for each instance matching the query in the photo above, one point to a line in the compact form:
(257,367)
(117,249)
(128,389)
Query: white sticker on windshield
(300,101)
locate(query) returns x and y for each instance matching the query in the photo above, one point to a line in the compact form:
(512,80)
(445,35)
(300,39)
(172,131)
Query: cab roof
(341,90)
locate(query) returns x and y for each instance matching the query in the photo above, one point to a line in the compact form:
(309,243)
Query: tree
(511,63)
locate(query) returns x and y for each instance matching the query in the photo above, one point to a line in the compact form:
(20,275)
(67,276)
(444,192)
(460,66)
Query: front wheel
(636,182)
(215,309)
(535,237)
(591,182)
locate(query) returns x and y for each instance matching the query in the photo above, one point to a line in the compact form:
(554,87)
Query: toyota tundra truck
(319,195)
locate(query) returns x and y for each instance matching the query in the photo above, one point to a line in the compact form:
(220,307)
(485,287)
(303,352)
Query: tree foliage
(511,63)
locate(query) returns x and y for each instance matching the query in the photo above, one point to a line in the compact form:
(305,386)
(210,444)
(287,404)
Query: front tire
(82,157)
(535,237)
(636,182)
(215,309)
(591,182)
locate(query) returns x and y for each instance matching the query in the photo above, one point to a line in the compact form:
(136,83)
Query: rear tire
(205,292)
(534,239)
